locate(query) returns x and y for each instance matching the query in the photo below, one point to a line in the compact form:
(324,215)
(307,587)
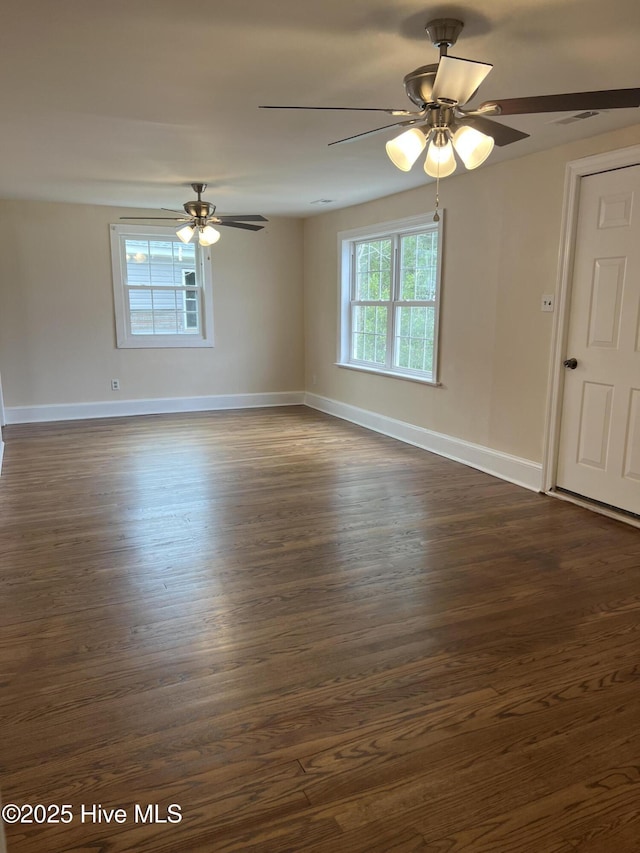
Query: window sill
(381,372)
(158,342)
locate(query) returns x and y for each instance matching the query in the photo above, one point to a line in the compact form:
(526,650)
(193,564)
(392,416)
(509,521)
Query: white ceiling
(126,102)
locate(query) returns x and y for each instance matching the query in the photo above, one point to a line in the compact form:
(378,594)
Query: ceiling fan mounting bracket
(418,84)
(443,33)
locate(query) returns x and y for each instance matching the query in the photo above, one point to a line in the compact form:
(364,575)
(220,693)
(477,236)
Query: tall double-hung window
(162,289)
(390,284)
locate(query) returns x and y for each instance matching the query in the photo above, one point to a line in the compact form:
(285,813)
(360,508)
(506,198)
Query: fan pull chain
(436,215)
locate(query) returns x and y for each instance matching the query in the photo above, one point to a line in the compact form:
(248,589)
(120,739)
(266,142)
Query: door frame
(575,171)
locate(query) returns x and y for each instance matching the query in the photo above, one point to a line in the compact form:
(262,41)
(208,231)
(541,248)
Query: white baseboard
(522,472)
(1,453)
(120,408)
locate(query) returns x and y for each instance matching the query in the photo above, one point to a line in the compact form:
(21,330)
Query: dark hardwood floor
(311,638)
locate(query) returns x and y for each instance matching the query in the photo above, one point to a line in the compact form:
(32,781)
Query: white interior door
(599,449)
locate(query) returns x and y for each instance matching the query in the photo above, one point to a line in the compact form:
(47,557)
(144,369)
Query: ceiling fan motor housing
(418,84)
(199,209)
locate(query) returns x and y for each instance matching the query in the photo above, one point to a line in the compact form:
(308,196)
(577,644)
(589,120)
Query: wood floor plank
(542,822)
(521,767)
(483,730)
(615,827)
(314,639)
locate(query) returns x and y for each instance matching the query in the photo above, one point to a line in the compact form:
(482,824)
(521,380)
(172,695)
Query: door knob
(571,363)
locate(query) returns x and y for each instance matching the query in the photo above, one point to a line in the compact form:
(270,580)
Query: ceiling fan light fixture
(441,161)
(472,146)
(208,236)
(404,150)
(185,233)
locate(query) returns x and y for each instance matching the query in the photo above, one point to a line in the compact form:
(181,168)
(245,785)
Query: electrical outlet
(115,384)
(314,379)
(547,302)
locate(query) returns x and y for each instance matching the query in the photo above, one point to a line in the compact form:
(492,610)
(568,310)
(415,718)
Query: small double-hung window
(162,289)
(390,298)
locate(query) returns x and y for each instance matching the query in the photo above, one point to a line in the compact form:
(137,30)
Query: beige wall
(501,244)
(502,228)
(57,332)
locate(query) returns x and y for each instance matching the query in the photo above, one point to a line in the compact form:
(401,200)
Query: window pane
(369,334)
(191,310)
(164,300)
(137,251)
(164,312)
(190,322)
(184,253)
(161,252)
(373,270)
(157,272)
(141,322)
(165,275)
(160,263)
(137,259)
(414,338)
(418,266)
(140,300)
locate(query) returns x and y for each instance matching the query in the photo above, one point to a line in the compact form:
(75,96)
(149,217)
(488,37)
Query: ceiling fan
(201,217)
(441,90)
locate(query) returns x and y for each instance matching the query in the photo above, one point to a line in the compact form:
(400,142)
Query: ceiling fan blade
(250,217)
(170,210)
(377,130)
(244,225)
(458,79)
(166,218)
(607,99)
(502,134)
(387,110)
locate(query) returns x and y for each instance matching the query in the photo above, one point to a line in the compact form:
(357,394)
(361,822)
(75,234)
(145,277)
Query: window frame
(394,230)
(124,338)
